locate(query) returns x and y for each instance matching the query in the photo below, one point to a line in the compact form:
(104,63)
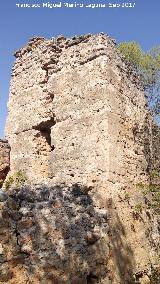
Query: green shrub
(8,183)
(17,180)
(20,178)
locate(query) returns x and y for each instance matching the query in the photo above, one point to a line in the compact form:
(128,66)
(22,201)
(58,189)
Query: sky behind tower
(17,25)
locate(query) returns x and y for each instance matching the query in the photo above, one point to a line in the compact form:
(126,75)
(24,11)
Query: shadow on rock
(58,236)
(122,258)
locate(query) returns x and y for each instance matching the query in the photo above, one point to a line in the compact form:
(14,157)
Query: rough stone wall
(76,115)
(56,234)
(156,153)
(4,160)
(51,234)
(72,111)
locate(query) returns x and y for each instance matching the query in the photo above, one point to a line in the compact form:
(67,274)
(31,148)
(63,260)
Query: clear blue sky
(141,24)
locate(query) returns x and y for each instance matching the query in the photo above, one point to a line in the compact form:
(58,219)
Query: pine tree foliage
(148,66)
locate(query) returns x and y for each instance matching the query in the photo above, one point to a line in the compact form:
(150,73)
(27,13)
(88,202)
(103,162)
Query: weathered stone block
(4,160)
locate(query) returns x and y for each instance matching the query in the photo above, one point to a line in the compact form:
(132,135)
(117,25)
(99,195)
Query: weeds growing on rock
(8,183)
(151,193)
(16,180)
(138,207)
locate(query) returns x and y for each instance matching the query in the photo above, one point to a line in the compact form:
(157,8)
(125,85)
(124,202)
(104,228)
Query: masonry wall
(73,108)
(79,129)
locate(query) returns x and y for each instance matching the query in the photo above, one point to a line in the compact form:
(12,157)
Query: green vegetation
(17,180)
(132,52)
(20,178)
(138,207)
(155,174)
(147,64)
(148,67)
(152,193)
(8,183)
(141,185)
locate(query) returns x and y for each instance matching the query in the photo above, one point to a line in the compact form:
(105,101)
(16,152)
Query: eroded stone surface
(155,154)
(73,108)
(57,234)
(4,160)
(47,228)
(77,119)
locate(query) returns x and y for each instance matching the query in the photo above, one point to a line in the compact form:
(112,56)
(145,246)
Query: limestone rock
(4,160)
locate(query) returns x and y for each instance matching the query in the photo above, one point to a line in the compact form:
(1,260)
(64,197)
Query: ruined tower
(76,128)
(73,110)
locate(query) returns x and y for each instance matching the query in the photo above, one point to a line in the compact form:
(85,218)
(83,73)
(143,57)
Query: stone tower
(76,127)
(74,108)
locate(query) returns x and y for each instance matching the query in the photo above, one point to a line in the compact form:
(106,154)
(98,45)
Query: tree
(148,66)
(132,52)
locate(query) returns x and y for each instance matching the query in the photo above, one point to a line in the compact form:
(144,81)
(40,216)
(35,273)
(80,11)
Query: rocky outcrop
(80,132)
(4,160)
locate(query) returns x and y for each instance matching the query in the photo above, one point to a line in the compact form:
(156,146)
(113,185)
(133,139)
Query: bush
(17,180)
(8,183)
